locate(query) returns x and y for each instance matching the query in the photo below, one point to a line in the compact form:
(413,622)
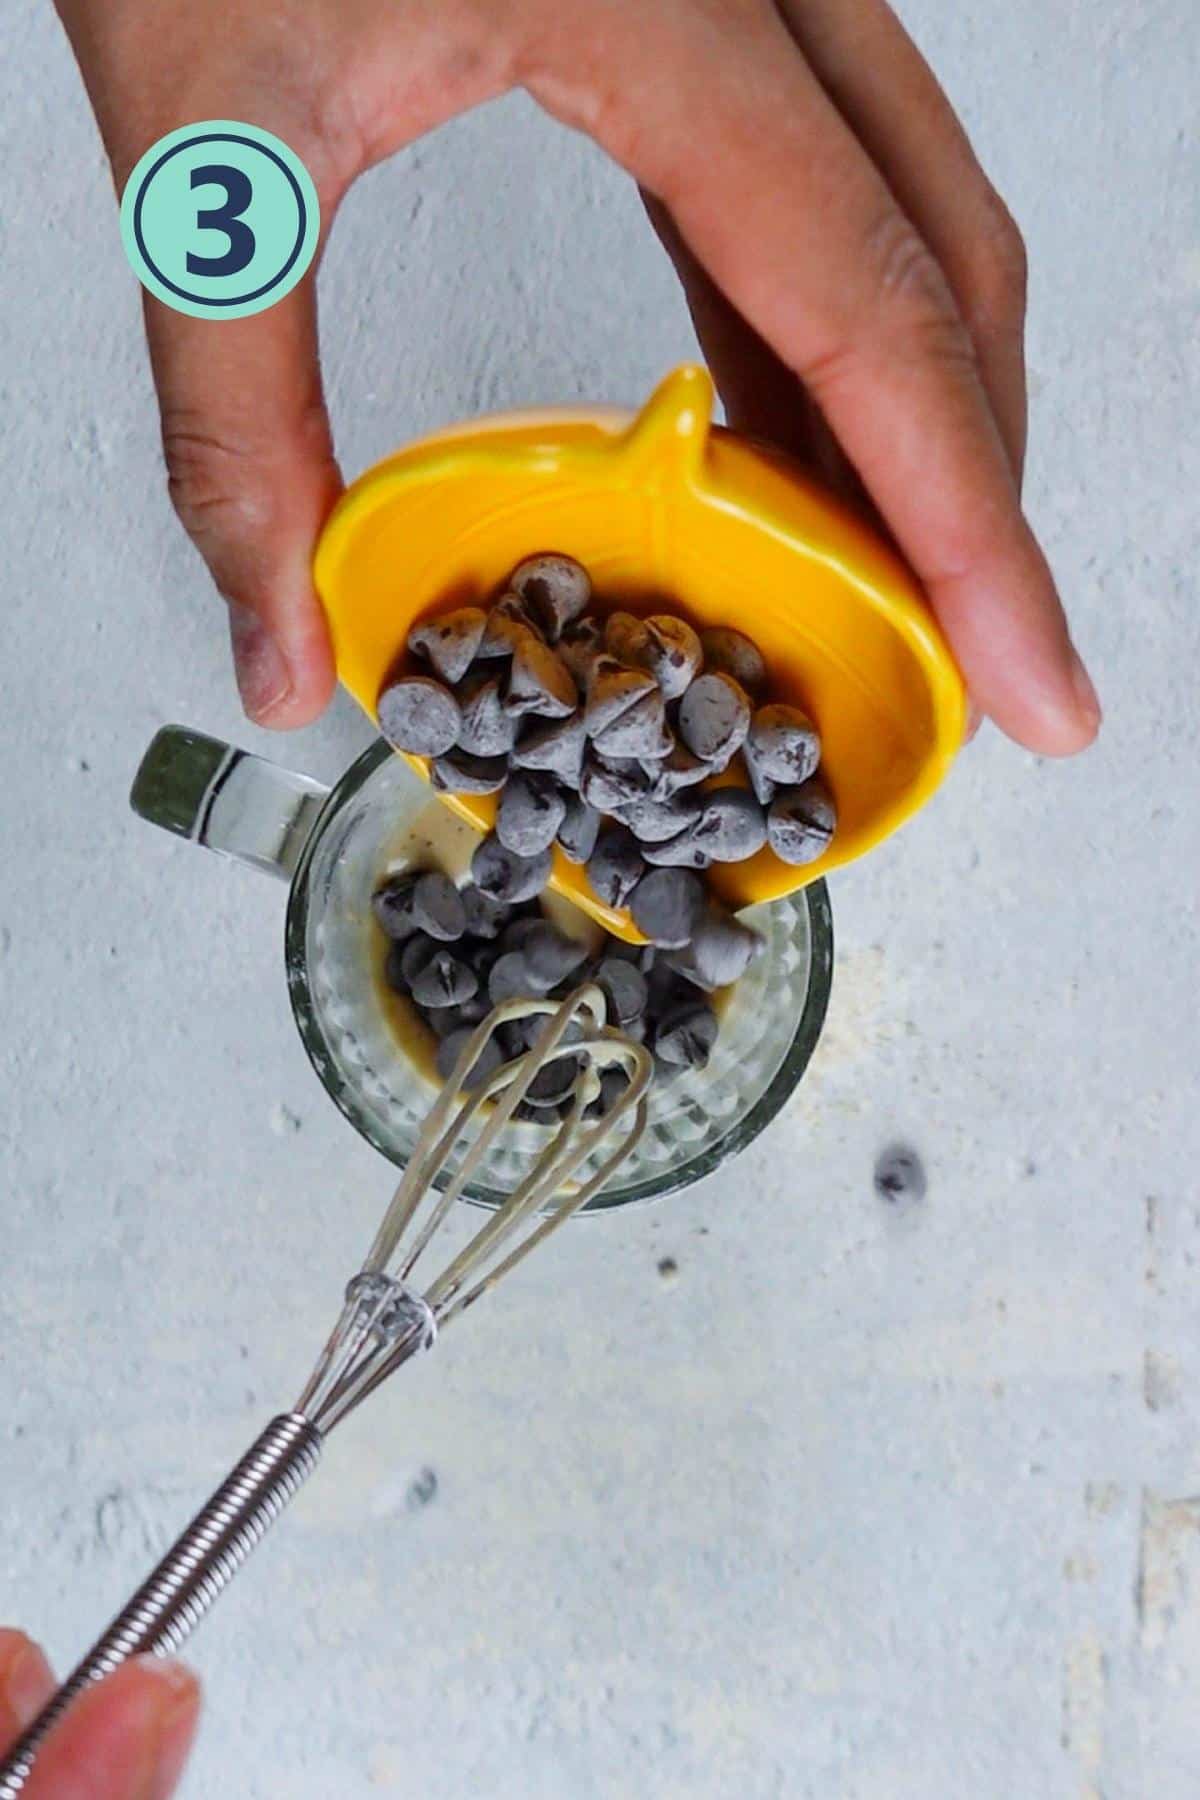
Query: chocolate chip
(535,1026)
(728,652)
(625,637)
(479,954)
(608,789)
(487,729)
(579,646)
(733,826)
(801,822)
(419,715)
(784,744)
(613,1083)
(677,771)
(458,772)
(505,876)
(685,1037)
(533,1115)
(665,646)
(507,623)
(579,829)
(675,652)
(640,731)
(393,969)
(485,1064)
(615,866)
(538,682)
(612,690)
(714,717)
(667,905)
(442,1020)
(530,812)
(721,950)
(557,588)
(554,1082)
(485,917)
(654,821)
(624,988)
(437,907)
(517,931)
(511,1039)
(761,784)
(444,981)
(550,955)
(391,904)
(689,850)
(510,979)
(668,989)
(630,767)
(418,951)
(449,642)
(557,748)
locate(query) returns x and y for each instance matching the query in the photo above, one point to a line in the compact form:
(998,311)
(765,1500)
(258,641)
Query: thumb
(252,476)
(129,1735)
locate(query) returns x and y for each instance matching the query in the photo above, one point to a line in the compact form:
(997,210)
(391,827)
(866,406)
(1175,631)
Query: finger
(129,1735)
(245,432)
(26,1683)
(762,398)
(913,135)
(247,439)
(252,475)
(799,230)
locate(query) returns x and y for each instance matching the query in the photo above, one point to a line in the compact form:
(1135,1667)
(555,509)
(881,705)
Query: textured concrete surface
(863,1503)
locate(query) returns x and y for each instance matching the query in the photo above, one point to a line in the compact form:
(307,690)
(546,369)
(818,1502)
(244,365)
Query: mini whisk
(385,1319)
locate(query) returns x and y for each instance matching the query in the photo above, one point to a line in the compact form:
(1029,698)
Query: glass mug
(333,846)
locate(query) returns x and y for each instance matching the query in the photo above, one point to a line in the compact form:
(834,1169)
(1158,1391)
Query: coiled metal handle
(173,1600)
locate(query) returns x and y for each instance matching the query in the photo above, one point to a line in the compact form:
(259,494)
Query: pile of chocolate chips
(455,952)
(603,734)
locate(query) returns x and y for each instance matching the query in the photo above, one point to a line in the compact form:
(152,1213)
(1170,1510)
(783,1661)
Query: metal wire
(386,1320)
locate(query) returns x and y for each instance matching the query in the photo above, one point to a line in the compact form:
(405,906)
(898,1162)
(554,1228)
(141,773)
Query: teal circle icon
(220,219)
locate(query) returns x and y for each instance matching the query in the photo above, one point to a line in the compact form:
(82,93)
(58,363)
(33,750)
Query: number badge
(220,220)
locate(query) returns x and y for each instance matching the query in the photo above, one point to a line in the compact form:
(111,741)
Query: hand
(127,1738)
(856,282)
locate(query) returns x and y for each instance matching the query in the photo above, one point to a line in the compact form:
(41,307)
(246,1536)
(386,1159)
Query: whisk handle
(198,1567)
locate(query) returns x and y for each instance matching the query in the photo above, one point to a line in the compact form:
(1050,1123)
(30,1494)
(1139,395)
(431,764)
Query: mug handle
(236,804)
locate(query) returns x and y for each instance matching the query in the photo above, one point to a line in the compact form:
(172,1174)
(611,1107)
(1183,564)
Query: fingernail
(180,1709)
(25,1684)
(262,674)
(1085,694)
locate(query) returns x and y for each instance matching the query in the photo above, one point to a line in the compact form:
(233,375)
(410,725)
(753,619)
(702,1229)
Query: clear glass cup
(332,846)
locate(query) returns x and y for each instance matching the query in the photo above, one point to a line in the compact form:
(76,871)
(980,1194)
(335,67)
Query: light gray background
(859,1505)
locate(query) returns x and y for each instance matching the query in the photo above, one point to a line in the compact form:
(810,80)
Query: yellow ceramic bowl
(667,512)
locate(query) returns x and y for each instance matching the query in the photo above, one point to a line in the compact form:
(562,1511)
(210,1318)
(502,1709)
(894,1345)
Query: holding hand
(856,282)
(127,1738)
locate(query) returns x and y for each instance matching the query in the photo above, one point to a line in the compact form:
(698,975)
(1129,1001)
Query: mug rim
(787,1077)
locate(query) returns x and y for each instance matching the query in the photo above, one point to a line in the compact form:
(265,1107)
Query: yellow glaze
(668,513)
